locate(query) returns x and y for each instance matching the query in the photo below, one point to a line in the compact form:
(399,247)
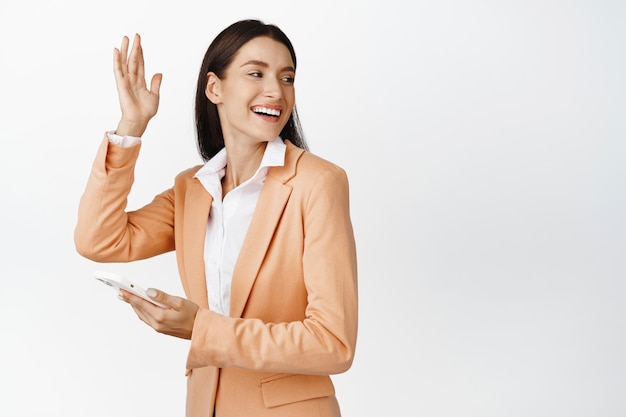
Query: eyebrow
(265,65)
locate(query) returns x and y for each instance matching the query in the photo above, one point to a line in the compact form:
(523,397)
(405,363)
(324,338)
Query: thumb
(159,296)
(155,83)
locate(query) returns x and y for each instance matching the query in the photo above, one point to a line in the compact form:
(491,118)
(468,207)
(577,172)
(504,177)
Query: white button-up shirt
(229,220)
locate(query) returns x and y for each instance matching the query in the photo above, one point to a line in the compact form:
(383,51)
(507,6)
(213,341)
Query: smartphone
(118,282)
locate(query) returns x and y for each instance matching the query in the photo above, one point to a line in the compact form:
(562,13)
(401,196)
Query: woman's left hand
(177,320)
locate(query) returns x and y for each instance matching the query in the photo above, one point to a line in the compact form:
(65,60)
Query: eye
(289,79)
(256,74)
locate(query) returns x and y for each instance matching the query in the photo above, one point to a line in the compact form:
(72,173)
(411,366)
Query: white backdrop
(484,141)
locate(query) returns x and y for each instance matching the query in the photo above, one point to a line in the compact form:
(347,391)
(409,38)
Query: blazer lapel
(196,214)
(272,201)
(270,206)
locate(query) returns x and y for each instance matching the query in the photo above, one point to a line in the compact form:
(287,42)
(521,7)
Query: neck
(242,163)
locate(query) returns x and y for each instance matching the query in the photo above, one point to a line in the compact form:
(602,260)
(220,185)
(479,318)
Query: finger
(143,316)
(117,66)
(135,59)
(164,298)
(124,54)
(136,301)
(119,60)
(140,61)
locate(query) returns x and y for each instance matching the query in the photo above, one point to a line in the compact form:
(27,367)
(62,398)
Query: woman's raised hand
(138,104)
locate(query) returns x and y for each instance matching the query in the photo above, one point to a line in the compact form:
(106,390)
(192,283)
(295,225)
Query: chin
(269,137)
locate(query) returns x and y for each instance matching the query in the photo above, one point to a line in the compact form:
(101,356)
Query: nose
(272,87)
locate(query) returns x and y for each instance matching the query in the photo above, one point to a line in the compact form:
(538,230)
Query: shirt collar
(274,155)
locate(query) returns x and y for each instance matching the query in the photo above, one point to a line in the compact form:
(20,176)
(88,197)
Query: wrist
(130,128)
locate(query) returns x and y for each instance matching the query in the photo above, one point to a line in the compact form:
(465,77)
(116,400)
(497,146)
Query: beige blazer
(293,319)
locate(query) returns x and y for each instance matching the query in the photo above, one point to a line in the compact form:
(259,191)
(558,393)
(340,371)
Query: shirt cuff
(124,141)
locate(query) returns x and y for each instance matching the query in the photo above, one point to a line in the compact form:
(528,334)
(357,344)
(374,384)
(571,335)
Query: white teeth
(265,110)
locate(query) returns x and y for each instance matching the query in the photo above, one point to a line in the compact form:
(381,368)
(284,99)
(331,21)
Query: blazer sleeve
(324,341)
(105,232)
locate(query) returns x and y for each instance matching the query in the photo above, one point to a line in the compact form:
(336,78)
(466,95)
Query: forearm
(302,347)
(105,232)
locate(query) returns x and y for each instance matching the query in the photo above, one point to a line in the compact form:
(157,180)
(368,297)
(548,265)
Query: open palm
(138,103)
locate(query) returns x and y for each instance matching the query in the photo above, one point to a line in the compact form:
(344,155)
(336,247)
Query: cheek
(238,101)
(290,96)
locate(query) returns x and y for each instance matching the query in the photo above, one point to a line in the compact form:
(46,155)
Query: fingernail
(151,292)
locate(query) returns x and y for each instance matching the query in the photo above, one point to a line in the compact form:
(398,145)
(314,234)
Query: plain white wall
(484,141)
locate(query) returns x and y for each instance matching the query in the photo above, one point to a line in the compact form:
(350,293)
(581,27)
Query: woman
(262,233)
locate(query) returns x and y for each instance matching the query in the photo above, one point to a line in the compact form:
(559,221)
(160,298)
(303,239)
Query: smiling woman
(262,233)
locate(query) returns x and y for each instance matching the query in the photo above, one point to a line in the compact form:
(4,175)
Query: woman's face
(255,96)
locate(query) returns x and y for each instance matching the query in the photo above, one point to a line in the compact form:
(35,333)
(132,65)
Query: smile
(264,111)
